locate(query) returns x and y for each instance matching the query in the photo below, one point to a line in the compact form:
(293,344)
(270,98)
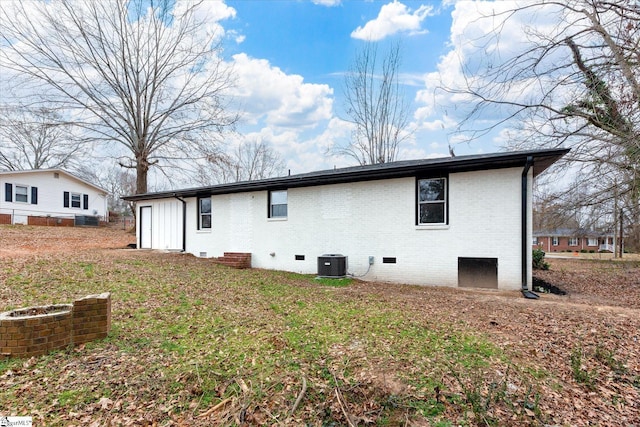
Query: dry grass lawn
(194,343)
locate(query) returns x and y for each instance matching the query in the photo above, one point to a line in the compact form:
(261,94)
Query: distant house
(50,197)
(457,221)
(572,239)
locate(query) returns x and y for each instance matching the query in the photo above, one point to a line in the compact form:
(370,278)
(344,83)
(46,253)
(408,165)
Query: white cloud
(312,154)
(337,132)
(210,10)
(209,13)
(442,123)
(480,40)
(328,3)
(393,18)
(280,99)
(410,79)
(236,36)
(414,153)
(302,153)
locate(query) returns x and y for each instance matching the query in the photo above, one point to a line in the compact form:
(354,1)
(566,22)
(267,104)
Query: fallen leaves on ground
(595,282)
(566,360)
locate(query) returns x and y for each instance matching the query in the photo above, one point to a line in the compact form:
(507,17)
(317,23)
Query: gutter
(526,245)
(184,222)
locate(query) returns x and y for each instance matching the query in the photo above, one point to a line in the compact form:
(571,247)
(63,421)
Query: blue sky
(315,41)
(291,57)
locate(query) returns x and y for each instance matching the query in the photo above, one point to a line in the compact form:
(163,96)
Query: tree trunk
(152,78)
(142,168)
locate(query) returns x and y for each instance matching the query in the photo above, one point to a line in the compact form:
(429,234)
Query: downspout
(184,222)
(526,244)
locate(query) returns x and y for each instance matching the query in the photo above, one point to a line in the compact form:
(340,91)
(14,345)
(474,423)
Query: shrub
(538,260)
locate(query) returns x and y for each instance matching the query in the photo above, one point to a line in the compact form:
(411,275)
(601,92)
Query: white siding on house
(362,219)
(166,223)
(50,196)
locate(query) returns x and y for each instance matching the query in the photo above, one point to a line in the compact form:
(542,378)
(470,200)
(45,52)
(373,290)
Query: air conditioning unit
(332,265)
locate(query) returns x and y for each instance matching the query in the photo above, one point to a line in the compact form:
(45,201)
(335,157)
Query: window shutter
(8,192)
(85,201)
(66,199)
(34,195)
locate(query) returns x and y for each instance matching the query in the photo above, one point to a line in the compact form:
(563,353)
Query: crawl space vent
(478,273)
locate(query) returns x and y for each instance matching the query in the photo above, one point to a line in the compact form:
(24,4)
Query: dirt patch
(23,240)
(37,311)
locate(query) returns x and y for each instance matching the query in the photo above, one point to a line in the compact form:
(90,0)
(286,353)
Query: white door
(145,227)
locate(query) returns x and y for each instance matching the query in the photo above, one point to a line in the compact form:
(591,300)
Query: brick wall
(91,318)
(35,335)
(546,244)
(50,221)
(88,319)
(5,219)
(363,219)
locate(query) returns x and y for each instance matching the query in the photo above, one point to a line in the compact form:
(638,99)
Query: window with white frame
(555,241)
(278,204)
(534,241)
(573,241)
(432,201)
(204,213)
(22,194)
(76,200)
(592,241)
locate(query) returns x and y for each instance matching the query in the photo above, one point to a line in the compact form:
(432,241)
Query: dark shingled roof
(542,159)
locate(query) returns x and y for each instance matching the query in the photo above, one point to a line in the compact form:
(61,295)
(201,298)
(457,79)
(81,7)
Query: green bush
(538,260)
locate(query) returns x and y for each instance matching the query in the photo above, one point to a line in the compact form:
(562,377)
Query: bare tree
(36,139)
(576,83)
(255,160)
(117,181)
(376,106)
(251,160)
(144,76)
(550,213)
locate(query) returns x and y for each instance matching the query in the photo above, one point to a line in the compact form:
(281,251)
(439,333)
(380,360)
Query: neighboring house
(458,221)
(572,239)
(50,197)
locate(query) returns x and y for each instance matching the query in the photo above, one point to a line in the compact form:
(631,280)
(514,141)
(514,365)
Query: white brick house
(30,195)
(462,221)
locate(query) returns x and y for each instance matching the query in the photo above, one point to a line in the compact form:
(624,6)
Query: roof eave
(77,178)
(542,160)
